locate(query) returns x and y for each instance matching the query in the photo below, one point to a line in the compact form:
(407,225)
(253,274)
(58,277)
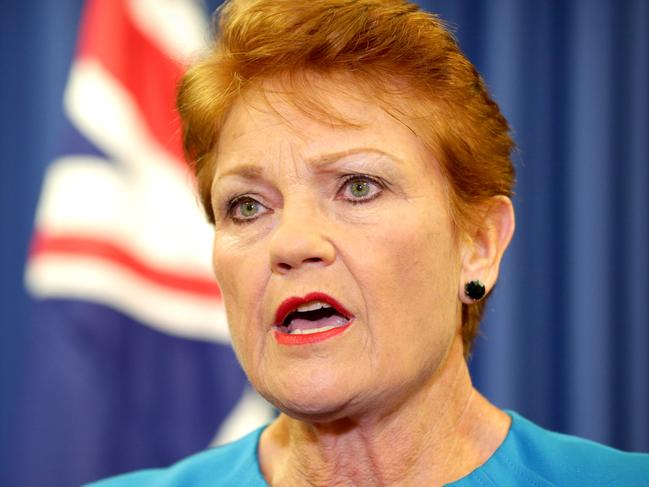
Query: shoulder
(232,464)
(559,459)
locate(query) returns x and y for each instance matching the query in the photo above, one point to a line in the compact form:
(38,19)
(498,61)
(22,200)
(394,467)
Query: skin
(390,400)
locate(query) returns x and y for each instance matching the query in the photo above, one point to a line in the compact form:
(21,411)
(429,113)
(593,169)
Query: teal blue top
(530,455)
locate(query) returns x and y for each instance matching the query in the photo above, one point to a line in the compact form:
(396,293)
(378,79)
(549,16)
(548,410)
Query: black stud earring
(475,290)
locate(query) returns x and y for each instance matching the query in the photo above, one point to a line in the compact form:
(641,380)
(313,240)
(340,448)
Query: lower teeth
(312,330)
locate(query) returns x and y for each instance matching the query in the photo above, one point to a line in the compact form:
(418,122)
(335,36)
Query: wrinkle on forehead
(289,100)
(320,162)
(317,97)
(270,104)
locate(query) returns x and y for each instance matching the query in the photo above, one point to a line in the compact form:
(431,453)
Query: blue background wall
(566,339)
(37,39)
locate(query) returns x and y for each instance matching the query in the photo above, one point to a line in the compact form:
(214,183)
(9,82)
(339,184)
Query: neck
(438,434)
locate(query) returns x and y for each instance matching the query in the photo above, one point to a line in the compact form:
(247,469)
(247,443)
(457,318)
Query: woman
(358,176)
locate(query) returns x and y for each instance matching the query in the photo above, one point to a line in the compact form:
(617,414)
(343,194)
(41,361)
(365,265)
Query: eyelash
(237,200)
(232,204)
(365,178)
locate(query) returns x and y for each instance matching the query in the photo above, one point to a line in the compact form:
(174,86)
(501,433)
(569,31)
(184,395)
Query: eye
(244,209)
(359,188)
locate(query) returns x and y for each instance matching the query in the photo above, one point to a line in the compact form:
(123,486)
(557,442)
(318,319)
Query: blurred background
(113,349)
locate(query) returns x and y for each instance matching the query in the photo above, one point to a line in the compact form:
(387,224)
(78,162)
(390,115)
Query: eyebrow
(247,171)
(255,171)
(328,159)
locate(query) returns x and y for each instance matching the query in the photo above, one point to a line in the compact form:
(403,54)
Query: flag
(131,365)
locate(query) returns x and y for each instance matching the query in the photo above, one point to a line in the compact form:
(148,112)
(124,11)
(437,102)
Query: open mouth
(316,313)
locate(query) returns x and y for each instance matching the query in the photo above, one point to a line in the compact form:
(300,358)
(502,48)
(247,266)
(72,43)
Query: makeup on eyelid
(374,185)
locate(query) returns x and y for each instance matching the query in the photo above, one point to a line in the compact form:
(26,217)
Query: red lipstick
(288,339)
(291,304)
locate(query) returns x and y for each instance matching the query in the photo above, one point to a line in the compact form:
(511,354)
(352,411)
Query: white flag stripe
(107,115)
(168,311)
(155,219)
(251,411)
(177,26)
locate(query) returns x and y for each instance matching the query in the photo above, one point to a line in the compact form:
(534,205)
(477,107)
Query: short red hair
(403,56)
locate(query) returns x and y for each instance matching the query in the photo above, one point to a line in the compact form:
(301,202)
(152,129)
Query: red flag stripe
(86,246)
(109,35)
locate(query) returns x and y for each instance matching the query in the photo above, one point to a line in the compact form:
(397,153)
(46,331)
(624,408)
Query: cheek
(420,258)
(409,280)
(237,272)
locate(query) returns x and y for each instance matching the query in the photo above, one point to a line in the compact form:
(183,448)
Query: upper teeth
(312,306)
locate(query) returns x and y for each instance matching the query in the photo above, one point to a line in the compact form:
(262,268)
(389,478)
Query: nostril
(284,266)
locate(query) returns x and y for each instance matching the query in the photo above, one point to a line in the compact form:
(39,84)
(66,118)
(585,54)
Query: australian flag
(131,365)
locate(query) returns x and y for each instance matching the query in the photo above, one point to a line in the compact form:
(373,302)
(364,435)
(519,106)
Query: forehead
(329,115)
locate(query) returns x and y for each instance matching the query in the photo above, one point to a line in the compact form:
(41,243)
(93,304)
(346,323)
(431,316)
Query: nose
(299,240)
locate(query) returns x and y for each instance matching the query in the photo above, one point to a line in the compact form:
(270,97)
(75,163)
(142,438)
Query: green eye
(248,208)
(359,189)
(245,209)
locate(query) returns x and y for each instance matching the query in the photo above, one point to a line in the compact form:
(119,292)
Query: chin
(316,415)
(312,401)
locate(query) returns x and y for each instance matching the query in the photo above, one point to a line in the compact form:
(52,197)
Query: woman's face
(358,214)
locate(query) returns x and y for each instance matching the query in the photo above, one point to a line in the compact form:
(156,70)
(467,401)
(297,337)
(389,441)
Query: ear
(483,249)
